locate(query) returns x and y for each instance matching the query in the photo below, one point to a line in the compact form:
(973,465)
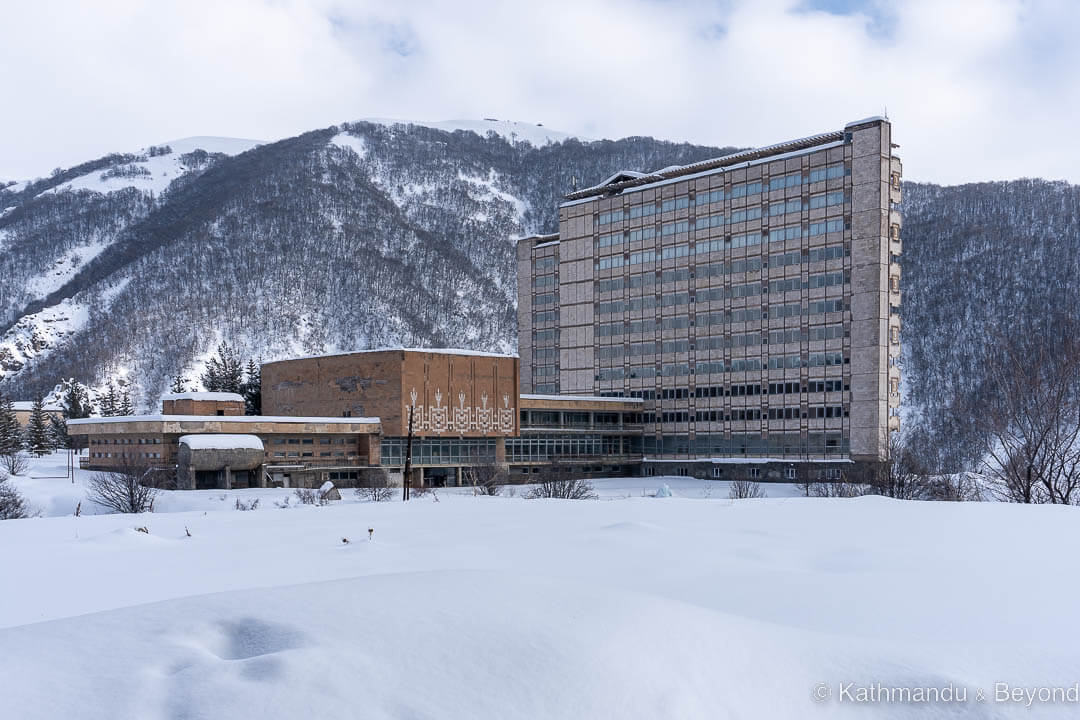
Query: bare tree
(903,475)
(486,478)
(377,488)
(15,463)
(559,481)
(123,490)
(1028,415)
(12,504)
(744,489)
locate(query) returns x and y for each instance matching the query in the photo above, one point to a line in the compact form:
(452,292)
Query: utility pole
(408,460)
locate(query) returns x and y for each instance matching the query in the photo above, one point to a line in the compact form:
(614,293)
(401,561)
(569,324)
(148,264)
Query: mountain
(383,233)
(372,233)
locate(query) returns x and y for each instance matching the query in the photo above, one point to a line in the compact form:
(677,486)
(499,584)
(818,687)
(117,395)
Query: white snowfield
(692,606)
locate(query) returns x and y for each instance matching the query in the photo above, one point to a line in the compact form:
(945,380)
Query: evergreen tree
(11,437)
(58,432)
(109,401)
(224,372)
(253,389)
(124,405)
(37,432)
(178,385)
(76,402)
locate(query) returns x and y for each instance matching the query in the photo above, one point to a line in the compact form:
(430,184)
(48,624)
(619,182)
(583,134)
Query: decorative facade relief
(461,418)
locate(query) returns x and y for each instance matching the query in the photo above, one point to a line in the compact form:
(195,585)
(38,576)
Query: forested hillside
(370,234)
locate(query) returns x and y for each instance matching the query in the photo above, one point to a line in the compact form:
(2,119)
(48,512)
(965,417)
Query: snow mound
(226,441)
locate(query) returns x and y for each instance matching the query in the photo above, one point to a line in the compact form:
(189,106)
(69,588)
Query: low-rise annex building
(345,419)
(297,451)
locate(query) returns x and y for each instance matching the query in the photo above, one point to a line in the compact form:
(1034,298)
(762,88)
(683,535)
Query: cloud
(977,90)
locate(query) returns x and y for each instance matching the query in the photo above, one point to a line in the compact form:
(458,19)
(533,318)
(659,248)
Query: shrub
(122,491)
(743,489)
(377,489)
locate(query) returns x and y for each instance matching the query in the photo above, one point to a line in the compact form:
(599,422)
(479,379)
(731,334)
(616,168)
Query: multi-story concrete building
(751,301)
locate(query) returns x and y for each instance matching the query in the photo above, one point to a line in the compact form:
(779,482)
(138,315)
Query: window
(827,173)
(717,471)
(675,204)
(785,181)
(789,473)
(609,217)
(609,240)
(755,473)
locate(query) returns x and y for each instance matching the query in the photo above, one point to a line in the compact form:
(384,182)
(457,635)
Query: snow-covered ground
(631,606)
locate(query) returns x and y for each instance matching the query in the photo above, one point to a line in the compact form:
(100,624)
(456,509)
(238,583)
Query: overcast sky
(976,89)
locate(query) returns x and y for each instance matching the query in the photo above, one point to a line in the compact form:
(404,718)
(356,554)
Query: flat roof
(580,398)
(435,351)
(625,179)
(27,405)
(220,396)
(228,419)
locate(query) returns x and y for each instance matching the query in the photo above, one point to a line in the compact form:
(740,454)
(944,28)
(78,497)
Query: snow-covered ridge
(513,130)
(154,172)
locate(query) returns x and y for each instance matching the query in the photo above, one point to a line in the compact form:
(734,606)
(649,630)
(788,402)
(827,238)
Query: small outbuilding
(220,462)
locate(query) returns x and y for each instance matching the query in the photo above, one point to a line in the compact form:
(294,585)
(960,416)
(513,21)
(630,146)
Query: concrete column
(261,482)
(228,478)
(457,476)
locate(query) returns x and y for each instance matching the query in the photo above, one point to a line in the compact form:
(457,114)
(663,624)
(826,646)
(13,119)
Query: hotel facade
(751,302)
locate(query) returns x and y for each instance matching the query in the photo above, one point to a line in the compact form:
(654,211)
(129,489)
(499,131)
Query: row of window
(307,454)
(777,362)
(126,441)
(722,318)
(310,441)
(126,455)
(719,445)
(779,182)
(752,264)
(814,281)
(793,232)
(813,412)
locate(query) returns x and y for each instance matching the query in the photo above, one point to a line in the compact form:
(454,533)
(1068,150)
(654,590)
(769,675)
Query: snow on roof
(751,460)
(872,118)
(213,441)
(228,419)
(28,405)
(437,351)
(743,158)
(549,243)
(586,398)
(220,396)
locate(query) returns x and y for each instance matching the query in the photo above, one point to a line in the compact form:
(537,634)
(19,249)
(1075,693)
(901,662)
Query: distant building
(751,301)
(25,409)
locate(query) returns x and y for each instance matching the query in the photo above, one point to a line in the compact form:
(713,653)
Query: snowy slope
(154,173)
(513,130)
(475,607)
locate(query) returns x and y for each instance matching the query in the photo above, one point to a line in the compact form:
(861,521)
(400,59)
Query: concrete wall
(453,394)
(189,406)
